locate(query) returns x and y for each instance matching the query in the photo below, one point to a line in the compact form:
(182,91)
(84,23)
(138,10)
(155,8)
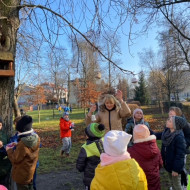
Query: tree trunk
(16,108)
(9,23)
(38,113)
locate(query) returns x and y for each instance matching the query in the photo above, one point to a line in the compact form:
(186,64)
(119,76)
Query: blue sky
(131,60)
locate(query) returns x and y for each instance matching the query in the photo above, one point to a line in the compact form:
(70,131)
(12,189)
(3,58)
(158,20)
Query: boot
(62,152)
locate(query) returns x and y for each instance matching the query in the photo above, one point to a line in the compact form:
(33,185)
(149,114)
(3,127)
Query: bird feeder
(134,80)
(6,64)
(98,75)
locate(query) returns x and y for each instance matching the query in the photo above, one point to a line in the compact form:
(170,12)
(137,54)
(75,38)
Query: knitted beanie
(24,124)
(65,113)
(135,111)
(115,142)
(95,130)
(178,122)
(140,132)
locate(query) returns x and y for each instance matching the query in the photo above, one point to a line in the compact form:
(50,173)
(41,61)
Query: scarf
(106,159)
(168,136)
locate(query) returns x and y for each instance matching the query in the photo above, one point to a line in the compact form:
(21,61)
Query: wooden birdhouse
(6,64)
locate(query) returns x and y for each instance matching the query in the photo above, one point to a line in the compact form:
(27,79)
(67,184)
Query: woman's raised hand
(119,95)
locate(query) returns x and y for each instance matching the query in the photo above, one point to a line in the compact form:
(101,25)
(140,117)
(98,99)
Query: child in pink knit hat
(2,187)
(138,118)
(146,152)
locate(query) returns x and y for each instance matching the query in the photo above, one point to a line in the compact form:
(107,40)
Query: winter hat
(95,130)
(115,142)
(2,187)
(135,111)
(24,124)
(178,122)
(65,113)
(140,132)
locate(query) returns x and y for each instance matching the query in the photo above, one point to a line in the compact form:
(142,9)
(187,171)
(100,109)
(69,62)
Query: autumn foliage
(37,95)
(87,94)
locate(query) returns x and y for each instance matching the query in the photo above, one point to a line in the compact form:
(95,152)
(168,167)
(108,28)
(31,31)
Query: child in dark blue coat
(173,150)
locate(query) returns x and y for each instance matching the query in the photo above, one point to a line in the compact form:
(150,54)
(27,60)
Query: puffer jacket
(24,158)
(121,175)
(148,155)
(65,128)
(173,155)
(111,119)
(89,158)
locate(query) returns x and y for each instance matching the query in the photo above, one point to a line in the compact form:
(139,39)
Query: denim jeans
(66,144)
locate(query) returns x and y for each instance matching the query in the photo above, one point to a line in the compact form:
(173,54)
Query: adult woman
(110,111)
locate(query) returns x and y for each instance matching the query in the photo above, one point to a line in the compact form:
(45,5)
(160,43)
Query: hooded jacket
(121,175)
(148,155)
(89,158)
(24,158)
(65,128)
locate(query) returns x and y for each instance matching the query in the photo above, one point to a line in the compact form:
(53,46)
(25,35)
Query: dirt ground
(67,180)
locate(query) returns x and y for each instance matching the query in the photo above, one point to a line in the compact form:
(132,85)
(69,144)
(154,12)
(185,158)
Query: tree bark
(16,108)
(9,22)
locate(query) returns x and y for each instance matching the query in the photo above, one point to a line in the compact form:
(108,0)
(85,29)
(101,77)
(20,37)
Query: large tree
(9,22)
(54,19)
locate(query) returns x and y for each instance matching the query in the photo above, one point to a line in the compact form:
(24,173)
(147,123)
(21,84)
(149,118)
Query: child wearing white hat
(116,165)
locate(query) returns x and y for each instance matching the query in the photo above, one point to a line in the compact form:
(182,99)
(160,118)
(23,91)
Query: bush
(167,105)
(135,102)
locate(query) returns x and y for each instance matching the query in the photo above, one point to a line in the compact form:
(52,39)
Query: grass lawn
(48,130)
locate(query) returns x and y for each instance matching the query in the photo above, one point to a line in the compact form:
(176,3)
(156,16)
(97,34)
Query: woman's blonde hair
(107,97)
(176,110)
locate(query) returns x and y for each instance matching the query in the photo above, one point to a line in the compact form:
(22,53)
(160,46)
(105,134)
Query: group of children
(19,155)
(134,164)
(110,158)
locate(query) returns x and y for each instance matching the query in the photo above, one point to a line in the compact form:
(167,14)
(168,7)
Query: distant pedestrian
(70,109)
(89,156)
